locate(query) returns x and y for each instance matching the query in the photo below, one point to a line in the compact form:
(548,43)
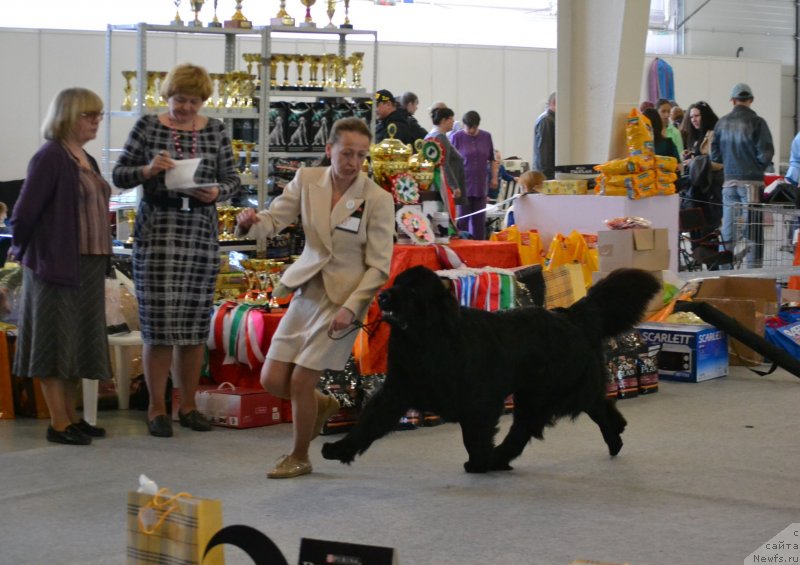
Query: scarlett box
(238,407)
(689,353)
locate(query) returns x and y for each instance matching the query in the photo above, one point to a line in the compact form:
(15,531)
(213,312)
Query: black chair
(699,245)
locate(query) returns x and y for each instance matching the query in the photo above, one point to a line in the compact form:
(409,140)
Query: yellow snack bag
(632,181)
(639,133)
(666,164)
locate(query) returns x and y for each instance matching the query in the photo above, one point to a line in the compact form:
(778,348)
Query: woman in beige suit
(349,227)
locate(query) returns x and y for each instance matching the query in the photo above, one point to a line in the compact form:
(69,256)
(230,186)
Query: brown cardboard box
(749,301)
(646,249)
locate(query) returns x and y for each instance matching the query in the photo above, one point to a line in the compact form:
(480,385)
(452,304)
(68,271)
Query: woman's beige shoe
(289,467)
(328,406)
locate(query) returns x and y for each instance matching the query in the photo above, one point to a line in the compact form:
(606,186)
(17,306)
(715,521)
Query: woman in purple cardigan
(62,237)
(477,149)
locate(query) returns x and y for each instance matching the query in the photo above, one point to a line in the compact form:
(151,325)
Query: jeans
(737,200)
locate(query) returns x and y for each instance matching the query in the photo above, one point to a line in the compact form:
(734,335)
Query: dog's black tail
(617,302)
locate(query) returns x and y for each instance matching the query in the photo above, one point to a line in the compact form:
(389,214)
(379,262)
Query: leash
(369,328)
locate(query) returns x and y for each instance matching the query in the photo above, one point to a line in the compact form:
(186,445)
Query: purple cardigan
(45,218)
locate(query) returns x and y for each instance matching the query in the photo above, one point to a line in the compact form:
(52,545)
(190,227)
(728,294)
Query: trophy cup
(127,102)
(282,18)
(357,64)
(273,71)
(197,5)
(215,22)
(131,215)
(249,147)
(237,145)
(314,62)
(346,24)
(300,61)
(308,22)
(238,20)
(330,12)
(286,60)
(177,21)
(150,100)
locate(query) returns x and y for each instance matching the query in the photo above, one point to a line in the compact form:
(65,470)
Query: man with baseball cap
(743,144)
(386,113)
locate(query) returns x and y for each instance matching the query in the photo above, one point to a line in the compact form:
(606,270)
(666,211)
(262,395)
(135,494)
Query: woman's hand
(246,218)
(161,162)
(207,194)
(342,320)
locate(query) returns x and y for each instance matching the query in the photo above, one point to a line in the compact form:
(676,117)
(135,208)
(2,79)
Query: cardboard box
(646,249)
(749,301)
(689,353)
(234,407)
(239,407)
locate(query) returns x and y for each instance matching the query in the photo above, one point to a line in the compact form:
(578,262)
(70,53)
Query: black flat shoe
(194,420)
(72,435)
(160,426)
(90,430)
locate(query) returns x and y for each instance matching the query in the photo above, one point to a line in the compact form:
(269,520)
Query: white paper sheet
(181,177)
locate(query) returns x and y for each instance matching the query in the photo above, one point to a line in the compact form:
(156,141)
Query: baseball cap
(741,91)
(384,96)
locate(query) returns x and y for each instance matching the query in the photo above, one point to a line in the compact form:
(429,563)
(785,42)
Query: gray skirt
(62,329)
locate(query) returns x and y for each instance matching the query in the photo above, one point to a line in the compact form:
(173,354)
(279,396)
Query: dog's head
(417,299)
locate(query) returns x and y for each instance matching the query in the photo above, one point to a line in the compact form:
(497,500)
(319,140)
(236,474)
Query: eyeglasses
(93,116)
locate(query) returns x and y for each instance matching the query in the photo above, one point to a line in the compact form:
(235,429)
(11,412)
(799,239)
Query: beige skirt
(302,334)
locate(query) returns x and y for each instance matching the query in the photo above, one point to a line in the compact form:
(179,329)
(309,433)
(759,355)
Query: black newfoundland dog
(462,363)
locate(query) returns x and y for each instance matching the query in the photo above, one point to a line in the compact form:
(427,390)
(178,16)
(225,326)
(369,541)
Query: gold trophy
(286,60)
(346,24)
(330,12)
(314,62)
(237,145)
(238,20)
(127,102)
(197,5)
(131,215)
(215,22)
(357,64)
(177,21)
(282,18)
(308,22)
(300,61)
(249,147)
(273,71)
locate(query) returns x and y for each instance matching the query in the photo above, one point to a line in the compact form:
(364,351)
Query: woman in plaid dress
(176,249)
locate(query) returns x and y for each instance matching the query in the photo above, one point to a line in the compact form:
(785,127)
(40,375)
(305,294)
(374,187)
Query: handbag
(175,529)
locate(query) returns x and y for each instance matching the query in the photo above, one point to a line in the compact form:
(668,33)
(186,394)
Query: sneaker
(72,435)
(195,421)
(90,430)
(327,408)
(289,467)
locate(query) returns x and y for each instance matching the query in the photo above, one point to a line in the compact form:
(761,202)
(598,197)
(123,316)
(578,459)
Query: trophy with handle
(308,22)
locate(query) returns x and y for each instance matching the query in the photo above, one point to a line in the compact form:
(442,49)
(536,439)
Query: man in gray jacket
(743,144)
(544,140)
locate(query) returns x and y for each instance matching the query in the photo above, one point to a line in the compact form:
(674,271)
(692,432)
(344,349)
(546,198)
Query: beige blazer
(353,265)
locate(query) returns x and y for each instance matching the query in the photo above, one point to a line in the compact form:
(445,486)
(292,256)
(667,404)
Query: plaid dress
(176,252)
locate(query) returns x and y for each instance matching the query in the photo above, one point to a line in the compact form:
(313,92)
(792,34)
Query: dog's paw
(471,467)
(615,446)
(337,452)
(500,466)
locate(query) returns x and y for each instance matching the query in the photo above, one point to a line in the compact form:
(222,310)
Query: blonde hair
(192,80)
(66,109)
(531,180)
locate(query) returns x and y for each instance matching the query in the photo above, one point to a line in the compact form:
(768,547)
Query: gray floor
(708,473)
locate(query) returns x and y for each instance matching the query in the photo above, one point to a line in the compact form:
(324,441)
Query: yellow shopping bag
(175,529)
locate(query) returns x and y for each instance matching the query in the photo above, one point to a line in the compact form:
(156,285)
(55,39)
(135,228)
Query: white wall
(506,85)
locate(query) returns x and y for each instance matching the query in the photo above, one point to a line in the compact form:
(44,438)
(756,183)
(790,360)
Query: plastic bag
(639,134)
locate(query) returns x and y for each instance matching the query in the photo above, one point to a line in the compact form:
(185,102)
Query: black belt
(182,203)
